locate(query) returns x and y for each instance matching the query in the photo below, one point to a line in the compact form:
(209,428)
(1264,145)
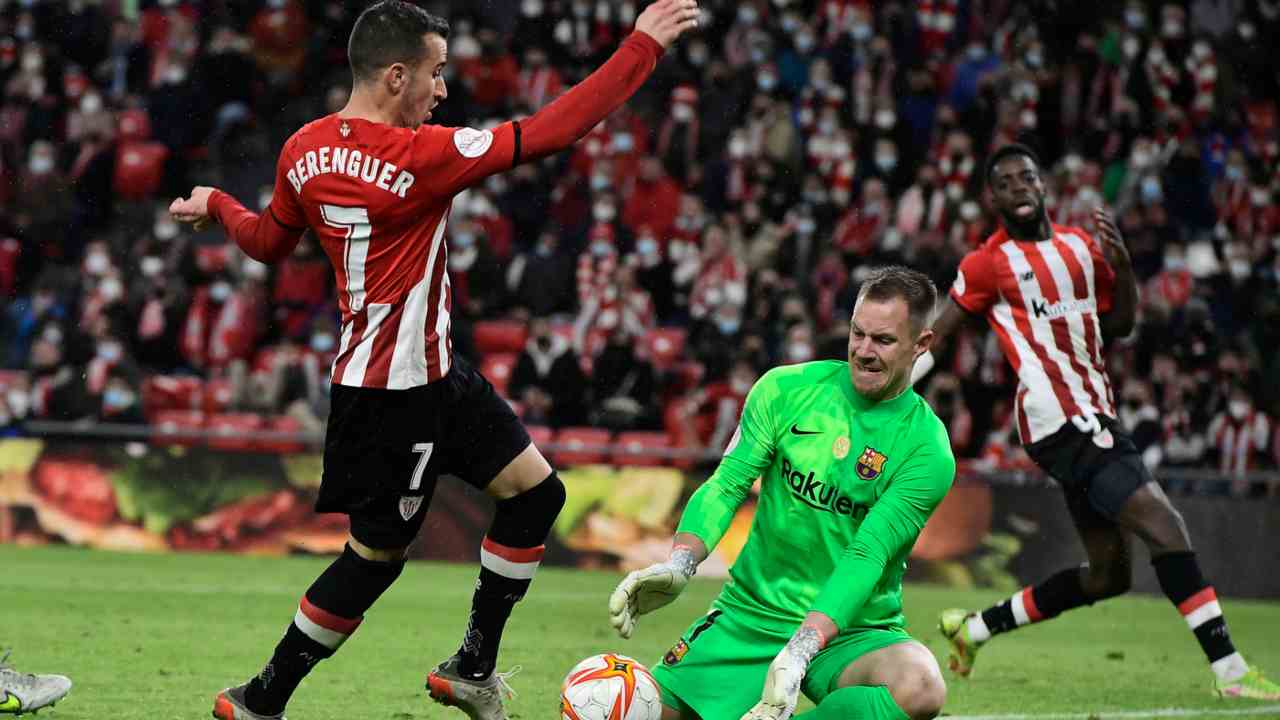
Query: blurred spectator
(548,379)
(541,280)
(709,416)
(947,400)
(654,199)
(1141,419)
(303,286)
(476,276)
(623,386)
(1239,438)
(620,303)
(539,82)
(121,399)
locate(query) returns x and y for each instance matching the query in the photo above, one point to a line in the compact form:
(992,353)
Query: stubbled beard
(1029,228)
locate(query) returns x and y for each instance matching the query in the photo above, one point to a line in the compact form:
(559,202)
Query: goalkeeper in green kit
(852,463)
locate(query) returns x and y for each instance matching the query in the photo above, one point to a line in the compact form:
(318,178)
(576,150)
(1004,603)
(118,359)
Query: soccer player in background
(1053,297)
(374,183)
(851,464)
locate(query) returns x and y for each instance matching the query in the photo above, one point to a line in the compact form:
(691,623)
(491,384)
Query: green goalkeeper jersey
(846,486)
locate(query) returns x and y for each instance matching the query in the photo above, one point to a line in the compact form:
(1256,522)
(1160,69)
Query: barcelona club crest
(676,653)
(870,463)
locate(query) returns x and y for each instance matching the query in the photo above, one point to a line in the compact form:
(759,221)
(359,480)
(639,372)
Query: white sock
(978,631)
(1230,668)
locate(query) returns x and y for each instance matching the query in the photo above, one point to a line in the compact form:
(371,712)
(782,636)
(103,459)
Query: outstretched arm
(1120,320)
(950,316)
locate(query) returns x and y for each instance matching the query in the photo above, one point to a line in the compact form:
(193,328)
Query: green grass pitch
(155,636)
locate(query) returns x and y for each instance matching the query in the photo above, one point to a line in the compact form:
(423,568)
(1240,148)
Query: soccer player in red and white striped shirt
(1053,297)
(374,183)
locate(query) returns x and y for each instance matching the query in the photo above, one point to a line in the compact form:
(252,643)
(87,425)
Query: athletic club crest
(345,130)
(870,463)
(409,505)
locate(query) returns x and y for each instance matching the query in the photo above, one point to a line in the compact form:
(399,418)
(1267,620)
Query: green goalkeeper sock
(858,701)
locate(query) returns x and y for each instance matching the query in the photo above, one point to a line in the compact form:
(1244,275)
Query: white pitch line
(1128,714)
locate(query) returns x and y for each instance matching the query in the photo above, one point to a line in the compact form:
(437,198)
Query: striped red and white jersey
(1044,299)
(378,198)
(1239,442)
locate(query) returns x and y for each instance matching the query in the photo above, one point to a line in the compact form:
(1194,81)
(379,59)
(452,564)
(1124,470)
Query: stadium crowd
(716,226)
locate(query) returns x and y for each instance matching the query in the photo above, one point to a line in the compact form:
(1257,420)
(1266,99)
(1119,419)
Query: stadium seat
(281,424)
(665,345)
(685,376)
(139,169)
(234,431)
(133,125)
(581,446)
(541,435)
(506,336)
(497,367)
(171,392)
(630,447)
(167,423)
(217,395)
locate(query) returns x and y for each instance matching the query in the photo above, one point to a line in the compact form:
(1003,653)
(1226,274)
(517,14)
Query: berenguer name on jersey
(351,163)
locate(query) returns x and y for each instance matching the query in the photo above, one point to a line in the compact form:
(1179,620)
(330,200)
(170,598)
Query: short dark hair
(1010,150)
(897,281)
(390,32)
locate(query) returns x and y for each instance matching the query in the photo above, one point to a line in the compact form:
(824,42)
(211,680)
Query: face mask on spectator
(1259,197)
(1156,55)
(1151,191)
(531,8)
(747,15)
(90,103)
(1131,47)
(151,266)
(96,262)
(1034,59)
(647,246)
(19,403)
(165,229)
(1135,19)
(861,31)
(110,350)
(790,22)
(886,161)
(604,212)
(1028,119)
(1247,31)
(805,43)
(117,399)
(175,75)
(766,81)
(623,142)
(40,164)
(1234,173)
(322,342)
(254,270)
(1173,29)
(976,52)
(599,181)
(601,248)
(464,240)
(1240,269)
(737,148)
(728,325)
(1238,409)
(740,385)
(885,119)
(1175,262)
(220,291)
(799,352)
(970,211)
(111,290)
(698,55)
(954,191)
(681,112)
(806,226)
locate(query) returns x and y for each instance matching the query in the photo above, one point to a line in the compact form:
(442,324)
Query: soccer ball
(609,687)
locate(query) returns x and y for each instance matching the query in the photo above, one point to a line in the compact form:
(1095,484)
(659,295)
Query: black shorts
(384,450)
(1098,472)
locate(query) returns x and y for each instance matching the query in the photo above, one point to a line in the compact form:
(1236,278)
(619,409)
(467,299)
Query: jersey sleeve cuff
(963,303)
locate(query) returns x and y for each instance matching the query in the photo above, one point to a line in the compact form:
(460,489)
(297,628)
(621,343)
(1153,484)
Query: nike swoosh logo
(11,703)
(797,431)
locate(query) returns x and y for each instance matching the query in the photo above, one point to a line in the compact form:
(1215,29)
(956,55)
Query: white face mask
(110,351)
(40,164)
(151,266)
(220,291)
(1238,409)
(604,212)
(96,263)
(165,230)
(322,343)
(111,290)
(885,119)
(91,103)
(531,8)
(19,402)
(682,112)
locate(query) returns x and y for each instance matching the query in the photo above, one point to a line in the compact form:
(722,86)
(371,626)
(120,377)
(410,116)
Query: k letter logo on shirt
(472,143)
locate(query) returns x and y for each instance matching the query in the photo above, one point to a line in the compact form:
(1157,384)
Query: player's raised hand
(194,209)
(667,20)
(1112,242)
(644,591)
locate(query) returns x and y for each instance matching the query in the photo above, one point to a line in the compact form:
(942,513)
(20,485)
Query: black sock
(508,558)
(1061,592)
(331,610)
(1184,585)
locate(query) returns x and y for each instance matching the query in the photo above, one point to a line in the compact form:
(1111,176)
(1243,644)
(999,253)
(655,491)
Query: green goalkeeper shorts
(716,671)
